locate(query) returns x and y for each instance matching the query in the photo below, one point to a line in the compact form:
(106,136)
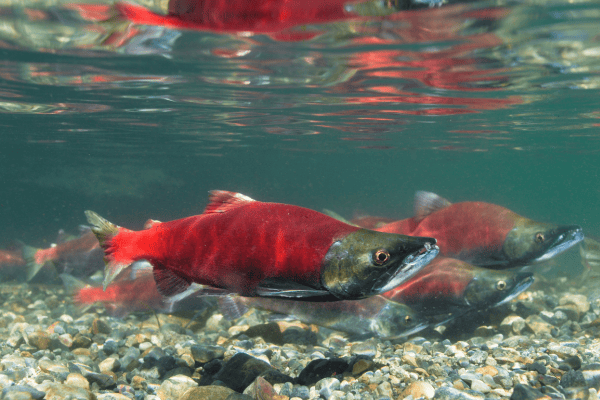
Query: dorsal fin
(220,201)
(150,223)
(427,203)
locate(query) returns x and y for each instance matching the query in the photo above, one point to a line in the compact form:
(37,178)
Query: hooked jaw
(530,242)
(367,263)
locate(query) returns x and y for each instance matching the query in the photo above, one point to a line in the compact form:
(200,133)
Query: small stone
(75,379)
(578,300)
(326,385)
(319,369)
(111,396)
(204,354)
(61,392)
(536,366)
(175,387)
(367,348)
(260,389)
(512,324)
(418,389)
(525,392)
(240,371)
(207,392)
(109,364)
(100,326)
(572,378)
(39,339)
(487,370)
(22,391)
(361,366)
(480,386)
(537,324)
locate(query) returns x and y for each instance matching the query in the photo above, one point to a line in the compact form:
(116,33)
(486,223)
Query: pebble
(419,389)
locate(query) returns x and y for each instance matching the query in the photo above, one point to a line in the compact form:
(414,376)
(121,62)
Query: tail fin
(32,266)
(105,231)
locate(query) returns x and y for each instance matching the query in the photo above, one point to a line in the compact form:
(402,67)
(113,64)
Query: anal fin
(168,283)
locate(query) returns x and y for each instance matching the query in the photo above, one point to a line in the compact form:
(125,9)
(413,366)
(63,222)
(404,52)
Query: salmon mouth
(411,264)
(565,238)
(525,279)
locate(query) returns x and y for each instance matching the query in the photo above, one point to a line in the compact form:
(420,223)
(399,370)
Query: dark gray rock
(319,369)
(536,366)
(524,392)
(572,378)
(240,371)
(203,354)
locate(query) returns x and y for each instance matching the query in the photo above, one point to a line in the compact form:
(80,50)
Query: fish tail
(33,263)
(105,232)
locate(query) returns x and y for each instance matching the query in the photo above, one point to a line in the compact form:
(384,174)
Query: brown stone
(99,326)
(361,366)
(418,389)
(487,370)
(77,380)
(39,339)
(61,392)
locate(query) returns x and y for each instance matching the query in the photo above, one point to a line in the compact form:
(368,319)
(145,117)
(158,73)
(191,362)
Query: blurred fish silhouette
(590,258)
(485,234)
(80,256)
(265,249)
(11,262)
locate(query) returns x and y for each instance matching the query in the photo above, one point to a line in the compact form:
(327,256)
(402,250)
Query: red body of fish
(443,278)
(84,243)
(236,249)
(124,296)
(371,222)
(10,257)
(260,16)
(461,228)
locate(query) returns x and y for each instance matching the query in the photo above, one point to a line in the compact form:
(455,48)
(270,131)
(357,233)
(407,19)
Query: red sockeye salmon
(447,285)
(485,234)
(265,249)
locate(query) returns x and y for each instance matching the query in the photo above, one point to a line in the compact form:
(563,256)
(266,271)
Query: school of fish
(370,276)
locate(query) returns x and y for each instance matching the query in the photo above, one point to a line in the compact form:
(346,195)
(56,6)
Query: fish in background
(11,262)
(254,248)
(447,285)
(79,256)
(589,250)
(484,234)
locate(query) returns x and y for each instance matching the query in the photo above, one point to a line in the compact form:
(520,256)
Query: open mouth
(412,264)
(566,239)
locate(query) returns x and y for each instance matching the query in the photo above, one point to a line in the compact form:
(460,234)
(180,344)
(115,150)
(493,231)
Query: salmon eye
(407,318)
(381,256)
(501,285)
(539,237)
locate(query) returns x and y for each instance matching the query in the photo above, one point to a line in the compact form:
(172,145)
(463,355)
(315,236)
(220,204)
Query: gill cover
(366,263)
(531,241)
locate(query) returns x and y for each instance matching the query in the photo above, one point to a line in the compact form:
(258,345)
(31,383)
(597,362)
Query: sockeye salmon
(485,234)
(81,256)
(447,285)
(265,249)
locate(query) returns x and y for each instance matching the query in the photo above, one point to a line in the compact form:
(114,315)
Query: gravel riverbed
(544,344)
